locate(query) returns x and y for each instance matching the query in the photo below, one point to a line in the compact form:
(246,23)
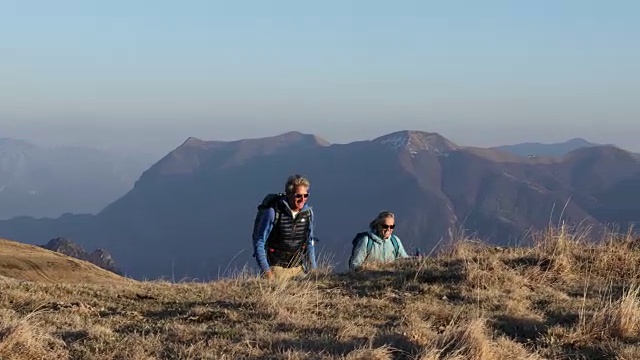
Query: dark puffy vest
(287,243)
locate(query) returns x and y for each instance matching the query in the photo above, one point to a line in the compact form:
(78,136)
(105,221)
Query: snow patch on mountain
(416,141)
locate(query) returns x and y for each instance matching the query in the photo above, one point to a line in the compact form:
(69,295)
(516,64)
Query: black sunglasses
(385,226)
(298,196)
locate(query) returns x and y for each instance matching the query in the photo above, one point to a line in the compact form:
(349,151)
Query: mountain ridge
(197,223)
(415,141)
(557,149)
(194,152)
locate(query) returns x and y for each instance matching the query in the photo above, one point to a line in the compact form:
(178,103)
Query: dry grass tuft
(26,338)
(461,341)
(381,353)
(616,320)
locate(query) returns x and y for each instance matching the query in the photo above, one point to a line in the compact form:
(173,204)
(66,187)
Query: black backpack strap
(276,209)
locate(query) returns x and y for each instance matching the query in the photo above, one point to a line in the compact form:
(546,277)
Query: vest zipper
(295,222)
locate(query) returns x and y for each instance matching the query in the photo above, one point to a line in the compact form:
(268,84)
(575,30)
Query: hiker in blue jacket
(378,244)
(281,243)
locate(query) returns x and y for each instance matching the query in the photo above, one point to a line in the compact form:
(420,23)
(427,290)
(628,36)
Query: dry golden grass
(562,298)
(32,263)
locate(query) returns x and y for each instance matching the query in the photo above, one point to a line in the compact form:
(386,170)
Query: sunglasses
(385,226)
(298,196)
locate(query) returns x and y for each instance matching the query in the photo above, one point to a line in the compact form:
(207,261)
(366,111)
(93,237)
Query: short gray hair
(380,218)
(294,181)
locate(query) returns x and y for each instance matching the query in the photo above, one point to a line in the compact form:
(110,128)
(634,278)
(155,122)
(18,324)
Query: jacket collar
(286,206)
(375,236)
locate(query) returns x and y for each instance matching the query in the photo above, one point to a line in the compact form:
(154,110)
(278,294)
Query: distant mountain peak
(296,136)
(287,138)
(414,141)
(528,149)
(580,141)
(193,141)
(194,153)
(66,246)
(599,151)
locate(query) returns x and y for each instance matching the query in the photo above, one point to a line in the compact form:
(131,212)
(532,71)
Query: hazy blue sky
(479,72)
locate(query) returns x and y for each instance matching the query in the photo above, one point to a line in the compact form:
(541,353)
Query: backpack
(354,243)
(268,202)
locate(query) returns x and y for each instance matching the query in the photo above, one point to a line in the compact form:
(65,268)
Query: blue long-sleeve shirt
(265,225)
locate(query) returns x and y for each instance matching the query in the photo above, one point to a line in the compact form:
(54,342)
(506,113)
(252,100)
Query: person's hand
(268,274)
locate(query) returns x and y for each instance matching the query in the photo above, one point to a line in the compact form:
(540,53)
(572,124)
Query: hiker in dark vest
(283,232)
(378,244)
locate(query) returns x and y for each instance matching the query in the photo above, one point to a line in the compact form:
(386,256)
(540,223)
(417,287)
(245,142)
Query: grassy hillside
(33,263)
(559,299)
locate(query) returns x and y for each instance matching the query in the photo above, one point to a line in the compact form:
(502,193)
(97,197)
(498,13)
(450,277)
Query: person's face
(387,226)
(298,199)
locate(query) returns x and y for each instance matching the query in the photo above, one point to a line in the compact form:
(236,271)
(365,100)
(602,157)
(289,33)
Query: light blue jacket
(381,250)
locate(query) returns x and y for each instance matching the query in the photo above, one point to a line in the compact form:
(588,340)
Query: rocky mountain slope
(98,257)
